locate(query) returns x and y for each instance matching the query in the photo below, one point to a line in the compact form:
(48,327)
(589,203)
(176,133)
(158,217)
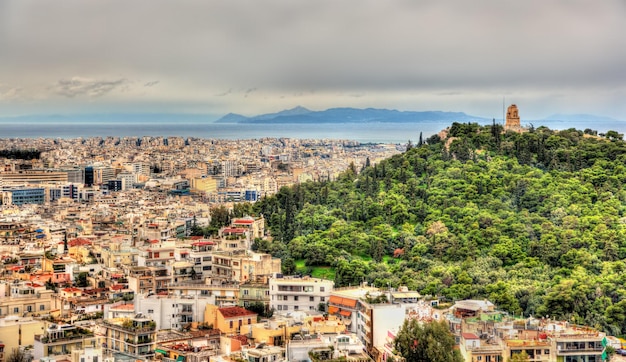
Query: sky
(252,57)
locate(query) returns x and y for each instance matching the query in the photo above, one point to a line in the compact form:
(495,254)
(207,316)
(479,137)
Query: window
(295,297)
(295,307)
(172,253)
(245,292)
(16,310)
(231,324)
(156,255)
(29,308)
(150,311)
(479,358)
(308,289)
(249,321)
(42,307)
(322,289)
(546,351)
(322,299)
(240,322)
(311,299)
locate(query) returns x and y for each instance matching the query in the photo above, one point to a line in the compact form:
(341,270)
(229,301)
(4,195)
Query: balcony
(138,342)
(132,326)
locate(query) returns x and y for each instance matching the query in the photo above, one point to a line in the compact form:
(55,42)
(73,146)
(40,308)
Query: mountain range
(349,115)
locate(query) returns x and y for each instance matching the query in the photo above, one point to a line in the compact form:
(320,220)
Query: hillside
(532,221)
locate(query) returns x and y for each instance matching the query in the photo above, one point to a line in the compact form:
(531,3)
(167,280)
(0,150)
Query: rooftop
(232,312)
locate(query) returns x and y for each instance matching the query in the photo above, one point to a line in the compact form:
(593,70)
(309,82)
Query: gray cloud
(223,94)
(431,49)
(151,84)
(77,86)
(10,93)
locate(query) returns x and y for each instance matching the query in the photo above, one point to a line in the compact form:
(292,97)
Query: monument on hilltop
(512,119)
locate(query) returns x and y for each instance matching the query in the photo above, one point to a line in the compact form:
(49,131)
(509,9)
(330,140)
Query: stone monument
(512,119)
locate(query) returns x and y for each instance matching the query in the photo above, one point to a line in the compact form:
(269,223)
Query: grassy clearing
(323,272)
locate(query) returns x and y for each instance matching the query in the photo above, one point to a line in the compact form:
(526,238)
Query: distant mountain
(349,115)
(581,118)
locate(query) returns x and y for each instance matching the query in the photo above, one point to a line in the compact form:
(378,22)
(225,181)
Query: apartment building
(289,294)
(171,312)
(22,298)
(62,339)
(133,337)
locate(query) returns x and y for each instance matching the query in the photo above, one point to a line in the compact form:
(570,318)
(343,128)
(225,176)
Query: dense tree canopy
(534,221)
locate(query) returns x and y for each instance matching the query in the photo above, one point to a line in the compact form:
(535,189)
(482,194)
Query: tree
(431,342)
(81,280)
(520,357)
(289,266)
(17,355)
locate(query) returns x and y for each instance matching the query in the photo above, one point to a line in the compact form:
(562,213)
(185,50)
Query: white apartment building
(172,312)
(289,294)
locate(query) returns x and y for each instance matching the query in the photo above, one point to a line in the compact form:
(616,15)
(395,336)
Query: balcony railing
(133,328)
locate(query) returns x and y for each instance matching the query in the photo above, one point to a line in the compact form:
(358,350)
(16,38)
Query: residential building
(19,331)
(171,312)
(134,337)
(62,339)
(24,298)
(254,291)
(228,319)
(289,294)
(348,347)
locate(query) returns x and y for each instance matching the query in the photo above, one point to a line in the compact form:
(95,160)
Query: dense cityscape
(112,250)
(312,181)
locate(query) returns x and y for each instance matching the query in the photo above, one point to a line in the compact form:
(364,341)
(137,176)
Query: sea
(395,133)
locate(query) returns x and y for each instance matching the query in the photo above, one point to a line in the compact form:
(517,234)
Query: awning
(180,359)
(346,302)
(345,313)
(332,310)
(160,351)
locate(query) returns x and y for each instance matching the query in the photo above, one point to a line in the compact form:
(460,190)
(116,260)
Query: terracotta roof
(235,230)
(232,312)
(469,336)
(72,290)
(241,338)
(78,242)
(201,243)
(243,221)
(124,307)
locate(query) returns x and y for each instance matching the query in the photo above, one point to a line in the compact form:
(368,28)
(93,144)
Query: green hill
(533,221)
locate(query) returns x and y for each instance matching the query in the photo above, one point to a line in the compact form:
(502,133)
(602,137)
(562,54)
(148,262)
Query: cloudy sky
(250,57)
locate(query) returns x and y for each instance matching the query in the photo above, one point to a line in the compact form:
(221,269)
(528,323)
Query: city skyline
(258,57)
